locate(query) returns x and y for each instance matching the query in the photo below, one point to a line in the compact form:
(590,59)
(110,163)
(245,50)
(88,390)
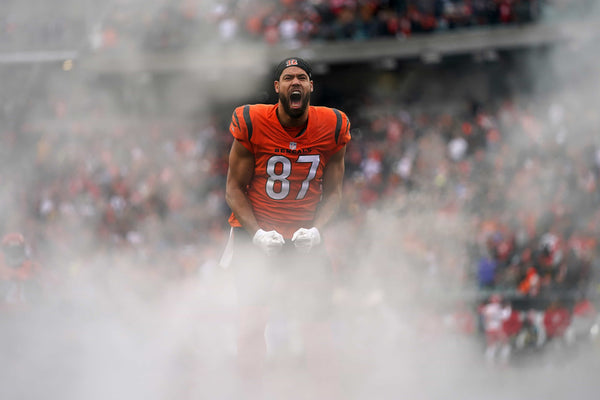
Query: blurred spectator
(486,271)
(584,317)
(512,326)
(530,285)
(557,319)
(495,314)
(21,279)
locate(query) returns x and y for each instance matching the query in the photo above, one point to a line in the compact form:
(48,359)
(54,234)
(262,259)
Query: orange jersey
(288,168)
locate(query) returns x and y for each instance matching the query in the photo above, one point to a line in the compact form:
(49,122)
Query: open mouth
(296,99)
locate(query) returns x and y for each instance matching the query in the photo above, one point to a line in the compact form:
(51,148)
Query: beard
(294,112)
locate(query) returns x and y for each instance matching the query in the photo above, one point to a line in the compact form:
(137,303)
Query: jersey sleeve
(342,129)
(241,126)
(344,135)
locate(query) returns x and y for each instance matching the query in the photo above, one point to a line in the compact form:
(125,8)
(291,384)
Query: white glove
(270,242)
(305,239)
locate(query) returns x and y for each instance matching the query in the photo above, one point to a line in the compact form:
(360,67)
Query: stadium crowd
(168,25)
(296,23)
(497,196)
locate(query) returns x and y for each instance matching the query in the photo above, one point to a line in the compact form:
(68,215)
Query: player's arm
(333,176)
(239,175)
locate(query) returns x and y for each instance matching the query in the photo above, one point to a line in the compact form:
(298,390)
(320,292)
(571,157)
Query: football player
(284,184)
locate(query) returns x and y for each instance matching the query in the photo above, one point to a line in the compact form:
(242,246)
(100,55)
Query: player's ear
(276,85)
(311,86)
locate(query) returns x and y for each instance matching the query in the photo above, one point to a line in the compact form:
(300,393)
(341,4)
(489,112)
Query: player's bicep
(241,166)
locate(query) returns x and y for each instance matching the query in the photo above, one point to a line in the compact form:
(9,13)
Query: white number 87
(286,170)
